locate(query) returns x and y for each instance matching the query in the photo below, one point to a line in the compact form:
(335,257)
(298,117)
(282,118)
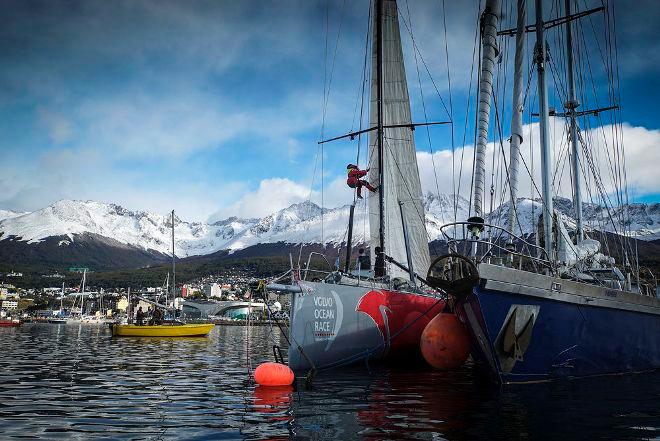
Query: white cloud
(642,154)
(176,124)
(83,174)
(278,193)
(271,195)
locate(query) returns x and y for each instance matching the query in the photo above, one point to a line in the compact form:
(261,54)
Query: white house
(10,304)
(213,290)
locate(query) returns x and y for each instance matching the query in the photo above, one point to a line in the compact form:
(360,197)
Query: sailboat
(60,319)
(89,319)
(81,317)
(557,307)
(346,317)
(168,328)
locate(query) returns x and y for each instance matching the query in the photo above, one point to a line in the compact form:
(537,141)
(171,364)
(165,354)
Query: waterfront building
(10,304)
(213,290)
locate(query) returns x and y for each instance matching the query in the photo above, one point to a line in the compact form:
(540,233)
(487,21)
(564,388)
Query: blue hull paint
(568,340)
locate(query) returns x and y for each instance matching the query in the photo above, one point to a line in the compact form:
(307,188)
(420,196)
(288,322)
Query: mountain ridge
(141,237)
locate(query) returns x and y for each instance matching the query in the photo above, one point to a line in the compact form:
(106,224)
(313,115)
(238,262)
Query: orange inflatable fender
(273,374)
(445,343)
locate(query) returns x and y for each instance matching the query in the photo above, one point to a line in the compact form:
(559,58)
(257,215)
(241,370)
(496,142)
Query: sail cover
(400,172)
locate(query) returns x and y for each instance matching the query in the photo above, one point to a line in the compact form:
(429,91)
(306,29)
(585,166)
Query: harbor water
(78,382)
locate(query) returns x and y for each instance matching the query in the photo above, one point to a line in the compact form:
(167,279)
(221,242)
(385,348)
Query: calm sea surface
(77,382)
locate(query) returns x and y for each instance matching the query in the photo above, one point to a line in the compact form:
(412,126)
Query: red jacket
(354,175)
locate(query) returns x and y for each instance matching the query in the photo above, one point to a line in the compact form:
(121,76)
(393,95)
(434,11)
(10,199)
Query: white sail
(400,171)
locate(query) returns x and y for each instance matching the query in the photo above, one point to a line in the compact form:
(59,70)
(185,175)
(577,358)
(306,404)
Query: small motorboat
(57,320)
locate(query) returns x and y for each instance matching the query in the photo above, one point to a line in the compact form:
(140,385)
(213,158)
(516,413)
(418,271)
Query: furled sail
(400,172)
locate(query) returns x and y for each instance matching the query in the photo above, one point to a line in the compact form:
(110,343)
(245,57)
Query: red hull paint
(337,325)
(400,318)
(8,323)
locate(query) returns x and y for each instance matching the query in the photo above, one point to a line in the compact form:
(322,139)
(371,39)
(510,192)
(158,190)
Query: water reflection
(77,382)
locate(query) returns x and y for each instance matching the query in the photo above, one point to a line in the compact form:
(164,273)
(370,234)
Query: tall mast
(570,106)
(516,115)
(349,240)
(489,22)
(82,293)
(379,99)
(546,154)
(167,288)
(173,264)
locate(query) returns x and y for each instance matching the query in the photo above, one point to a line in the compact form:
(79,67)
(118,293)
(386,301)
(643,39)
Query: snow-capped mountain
(70,221)
(146,231)
(642,220)
(8,214)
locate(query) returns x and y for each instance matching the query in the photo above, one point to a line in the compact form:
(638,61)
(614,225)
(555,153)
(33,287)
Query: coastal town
(228,298)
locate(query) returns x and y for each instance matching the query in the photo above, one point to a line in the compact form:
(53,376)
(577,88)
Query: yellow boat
(187,330)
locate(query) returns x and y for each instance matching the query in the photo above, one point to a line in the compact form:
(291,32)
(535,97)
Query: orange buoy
(273,374)
(445,342)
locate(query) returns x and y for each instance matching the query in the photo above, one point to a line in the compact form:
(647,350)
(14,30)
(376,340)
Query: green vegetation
(186,271)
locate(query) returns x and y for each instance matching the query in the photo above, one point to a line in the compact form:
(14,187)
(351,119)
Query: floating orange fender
(273,374)
(445,342)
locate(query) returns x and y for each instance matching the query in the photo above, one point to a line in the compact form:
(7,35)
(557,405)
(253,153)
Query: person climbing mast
(354,181)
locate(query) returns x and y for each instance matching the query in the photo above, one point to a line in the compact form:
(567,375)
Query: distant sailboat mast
(173,267)
(82,293)
(167,288)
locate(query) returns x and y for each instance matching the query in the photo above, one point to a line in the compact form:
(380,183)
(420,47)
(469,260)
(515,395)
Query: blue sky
(214,108)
